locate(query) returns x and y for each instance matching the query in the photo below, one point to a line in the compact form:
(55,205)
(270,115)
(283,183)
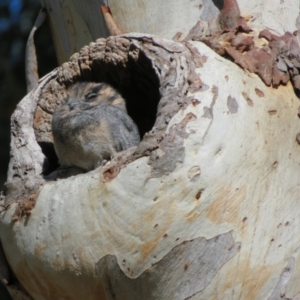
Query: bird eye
(90,96)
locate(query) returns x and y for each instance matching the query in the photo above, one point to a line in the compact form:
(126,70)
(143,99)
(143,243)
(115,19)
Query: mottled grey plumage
(92,126)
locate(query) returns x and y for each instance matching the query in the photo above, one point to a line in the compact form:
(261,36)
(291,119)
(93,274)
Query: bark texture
(184,214)
(75,24)
(205,207)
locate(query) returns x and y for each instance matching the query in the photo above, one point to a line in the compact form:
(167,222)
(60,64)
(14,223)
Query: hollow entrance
(156,76)
(138,84)
(135,79)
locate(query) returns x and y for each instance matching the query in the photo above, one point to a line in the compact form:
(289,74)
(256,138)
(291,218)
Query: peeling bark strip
(31,66)
(230,17)
(154,75)
(25,207)
(183,262)
(276,63)
(112,27)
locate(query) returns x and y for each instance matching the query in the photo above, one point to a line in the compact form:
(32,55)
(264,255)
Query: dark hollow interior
(51,163)
(139,85)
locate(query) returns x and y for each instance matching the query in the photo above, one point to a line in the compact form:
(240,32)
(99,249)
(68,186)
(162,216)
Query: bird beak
(72,104)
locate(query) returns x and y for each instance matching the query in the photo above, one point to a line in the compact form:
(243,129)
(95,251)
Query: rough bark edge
(111,25)
(31,66)
(178,263)
(275,59)
(26,163)
(32,118)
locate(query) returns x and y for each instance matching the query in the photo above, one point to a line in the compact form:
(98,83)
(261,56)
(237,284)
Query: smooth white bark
(243,158)
(223,224)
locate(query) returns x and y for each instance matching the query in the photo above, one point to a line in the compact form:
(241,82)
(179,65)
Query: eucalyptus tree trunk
(207,205)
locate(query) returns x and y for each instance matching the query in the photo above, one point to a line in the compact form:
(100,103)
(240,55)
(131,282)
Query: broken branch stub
(184,214)
(31,67)
(152,74)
